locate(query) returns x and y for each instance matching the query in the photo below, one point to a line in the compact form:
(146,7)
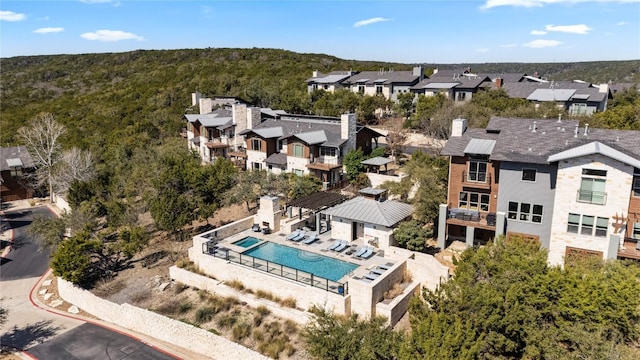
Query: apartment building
(574,190)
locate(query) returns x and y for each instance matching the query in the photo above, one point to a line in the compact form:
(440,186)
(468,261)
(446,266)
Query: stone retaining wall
(217,287)
(155,325)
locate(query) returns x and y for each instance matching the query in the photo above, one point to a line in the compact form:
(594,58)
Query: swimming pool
(247,242)
(319,265)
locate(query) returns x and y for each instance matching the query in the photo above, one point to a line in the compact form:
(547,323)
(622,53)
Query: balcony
(630,249)
(591,197)
(240,153)
(478,180)
(477,219)
(217,143)
(325,163)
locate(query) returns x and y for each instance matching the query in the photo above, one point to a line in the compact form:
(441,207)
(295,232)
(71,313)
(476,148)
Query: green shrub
(205,314)
(240,331)
(185,306)
(226,320)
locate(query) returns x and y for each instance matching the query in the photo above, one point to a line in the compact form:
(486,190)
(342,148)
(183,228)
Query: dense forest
(100,97)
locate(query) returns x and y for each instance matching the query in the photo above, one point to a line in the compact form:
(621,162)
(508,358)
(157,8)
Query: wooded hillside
(100,97)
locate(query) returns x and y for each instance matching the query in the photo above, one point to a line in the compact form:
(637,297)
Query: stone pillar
(470,235)
(317,223)
(612,249)
(500,223)
(442,226)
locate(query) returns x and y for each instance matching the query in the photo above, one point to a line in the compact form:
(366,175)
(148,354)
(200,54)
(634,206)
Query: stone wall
(216,287)
(397,307)
(155,325)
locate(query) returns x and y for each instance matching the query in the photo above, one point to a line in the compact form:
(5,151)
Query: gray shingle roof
(377,161)
(516,141)
(10,154)
(386,213)
(388,77)
(277,159)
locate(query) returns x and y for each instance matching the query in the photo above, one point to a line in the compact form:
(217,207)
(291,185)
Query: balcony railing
(592,197)
(325,162)
(217,142)
(476,179)
(472,216)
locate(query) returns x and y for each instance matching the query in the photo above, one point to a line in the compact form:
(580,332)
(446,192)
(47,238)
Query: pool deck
(320,247)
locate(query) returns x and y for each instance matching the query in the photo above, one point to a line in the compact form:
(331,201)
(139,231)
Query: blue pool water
(318,265)
(247,242)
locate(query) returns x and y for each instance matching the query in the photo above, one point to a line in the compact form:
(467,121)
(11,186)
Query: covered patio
(311,205)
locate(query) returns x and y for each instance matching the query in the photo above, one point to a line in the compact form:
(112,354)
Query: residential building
(328,82)
(573,190)
(304,144)
(15,164)
(459,88)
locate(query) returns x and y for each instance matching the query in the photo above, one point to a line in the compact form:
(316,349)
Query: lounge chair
(313,236)
(334,245)
(360,251)
(385,266)
(371,276)
(256,228)
(295,233)
(300,236)
(367,254)
(341,247)
(377,271)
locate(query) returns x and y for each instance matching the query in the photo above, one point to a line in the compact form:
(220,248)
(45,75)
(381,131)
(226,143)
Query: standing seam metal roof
(386,213)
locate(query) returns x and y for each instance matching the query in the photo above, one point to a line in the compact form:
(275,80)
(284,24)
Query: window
(378,89)
(460,96)
(573,223)
(326,87)
(256,144)
(592,191)
(361,89)
(636,231)
(16,171)
(298,172)
(256,166)
(588,225)
(328,151)
(594,172)
(525,212)
(298,150)
(636,186)
(528,175)
(473,201)
(477,171)
(602,224)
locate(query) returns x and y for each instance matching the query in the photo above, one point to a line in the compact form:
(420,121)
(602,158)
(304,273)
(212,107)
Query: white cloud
(374,20)
(622,23)
(581,29)
(512,45)
(482,50)
(48,30)
(538,32)
(111,35)
(540,43)
(12,16)
(539,3)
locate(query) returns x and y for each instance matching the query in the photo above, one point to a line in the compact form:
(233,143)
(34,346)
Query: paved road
(44,334)
(25,259)
(111,346)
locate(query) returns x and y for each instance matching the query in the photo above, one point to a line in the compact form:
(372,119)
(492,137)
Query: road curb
(7,249)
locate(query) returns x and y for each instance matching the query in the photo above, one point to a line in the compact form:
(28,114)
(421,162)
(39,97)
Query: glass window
(592,191)
(361,89)
(298,172)
(484,202)
(537,214)
(477,171)
(602,224)
(473,201)
(327,151)
(513,210)
(463,202)
(298,150)
(525,210)
(636,186)
(528,175)
(636,231)
(256,144)
(574,223)
(587,225)
(379,89)
(594,172)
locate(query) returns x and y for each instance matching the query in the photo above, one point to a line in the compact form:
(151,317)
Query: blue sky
(418,31)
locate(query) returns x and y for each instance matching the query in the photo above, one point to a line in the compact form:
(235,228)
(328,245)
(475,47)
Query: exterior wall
(634,214)
(379,235)
(255,157)
(540,192)
(617,188)
(155,325)
(348,131)
(340,228)
(15,188)
(458,166)
(296,163)
(396,309)
(365,295)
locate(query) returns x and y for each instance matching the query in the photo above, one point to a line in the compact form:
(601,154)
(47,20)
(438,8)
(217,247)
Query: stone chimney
(418,71)
(458,127)
(348,131)
(498,83)
(603,88)
(239,113)
(315,73)
(254,117)
(195,98)
(206,105)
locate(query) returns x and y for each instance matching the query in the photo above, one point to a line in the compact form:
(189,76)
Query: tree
(74,165)
(404,104)
(353,163)
(303,185)
(412,235)
(47,232)
(396,141)
(504,302)
(42,139)
(73,259)
(335,337)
